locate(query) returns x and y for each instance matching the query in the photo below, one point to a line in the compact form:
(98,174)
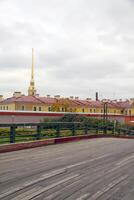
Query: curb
(26,145)
(77,138)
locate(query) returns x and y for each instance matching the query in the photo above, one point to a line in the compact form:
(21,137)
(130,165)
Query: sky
(81,46)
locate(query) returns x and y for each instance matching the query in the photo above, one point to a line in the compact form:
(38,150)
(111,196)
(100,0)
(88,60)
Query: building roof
(29,99)
(72,102)
(124,104)
(87,103)
(46,100)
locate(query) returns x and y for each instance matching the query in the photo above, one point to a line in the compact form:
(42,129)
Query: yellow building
(58,104)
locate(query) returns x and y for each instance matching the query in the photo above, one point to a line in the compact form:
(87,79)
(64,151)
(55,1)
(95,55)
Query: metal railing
(12,133)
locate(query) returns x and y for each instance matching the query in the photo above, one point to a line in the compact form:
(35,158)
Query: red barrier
(25,145)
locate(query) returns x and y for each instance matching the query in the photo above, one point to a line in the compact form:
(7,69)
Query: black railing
(12,133)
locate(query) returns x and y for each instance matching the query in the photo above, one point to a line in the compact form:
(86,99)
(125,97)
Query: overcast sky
(81,46)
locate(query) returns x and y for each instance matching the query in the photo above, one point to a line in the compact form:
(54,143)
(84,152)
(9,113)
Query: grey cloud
(80,46)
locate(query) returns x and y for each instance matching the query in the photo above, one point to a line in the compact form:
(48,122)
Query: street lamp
(12,119)
(105,108)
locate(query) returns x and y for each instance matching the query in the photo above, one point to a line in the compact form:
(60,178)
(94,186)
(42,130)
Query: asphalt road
(89,169)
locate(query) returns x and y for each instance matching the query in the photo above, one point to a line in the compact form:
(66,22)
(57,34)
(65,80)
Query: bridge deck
(92,169)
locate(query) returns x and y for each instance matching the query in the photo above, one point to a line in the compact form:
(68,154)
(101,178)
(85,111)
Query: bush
(84,120)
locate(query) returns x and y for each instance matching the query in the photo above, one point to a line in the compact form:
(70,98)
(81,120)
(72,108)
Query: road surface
(89,169)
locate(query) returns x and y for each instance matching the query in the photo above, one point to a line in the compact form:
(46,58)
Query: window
(90,110)
(94,110)
(34,108)
(39,108)
(83,110)
(114,111)
(101,110)
(7,107)
(49,109)
(129,112)
(3,107)
(71,110)
(23,108)
(62,109)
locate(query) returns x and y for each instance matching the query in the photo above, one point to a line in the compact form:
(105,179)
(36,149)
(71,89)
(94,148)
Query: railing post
(58,130)
(86,129)
(12,134)
(73,129)
(113,129)
(38,135)
(119,130)
(97,129)
(105,129)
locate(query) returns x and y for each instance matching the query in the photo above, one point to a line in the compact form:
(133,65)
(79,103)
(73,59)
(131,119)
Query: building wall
(62,108)
(32,107)
(35,117)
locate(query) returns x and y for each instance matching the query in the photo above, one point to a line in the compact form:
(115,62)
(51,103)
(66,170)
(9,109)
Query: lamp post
(12,119)
(105,108)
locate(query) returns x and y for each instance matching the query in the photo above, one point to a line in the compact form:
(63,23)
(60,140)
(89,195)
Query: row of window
(49,109)
(36,108)
(40,109)
(3,107)
(128,112)
(94,110)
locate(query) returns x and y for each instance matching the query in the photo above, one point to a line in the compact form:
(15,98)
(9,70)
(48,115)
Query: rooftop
(73,102)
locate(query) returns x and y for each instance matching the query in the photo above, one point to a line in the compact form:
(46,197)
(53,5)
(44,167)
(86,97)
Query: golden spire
(31,89)
(32,74)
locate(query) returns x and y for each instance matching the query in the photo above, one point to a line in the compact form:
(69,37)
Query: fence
(12,133)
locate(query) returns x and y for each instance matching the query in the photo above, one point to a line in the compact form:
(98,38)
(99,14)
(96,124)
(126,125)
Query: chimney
(76,97)
(89,99)
(48,95)
(1,98)
(71,97)
(17,94)
(96,96)
(57,96)
(115,100)
(104,100)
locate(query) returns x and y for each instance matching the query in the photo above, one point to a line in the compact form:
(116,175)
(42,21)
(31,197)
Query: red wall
(23,117)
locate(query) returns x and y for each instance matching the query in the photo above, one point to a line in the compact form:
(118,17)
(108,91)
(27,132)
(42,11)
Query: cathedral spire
(32,89)
(32,74)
